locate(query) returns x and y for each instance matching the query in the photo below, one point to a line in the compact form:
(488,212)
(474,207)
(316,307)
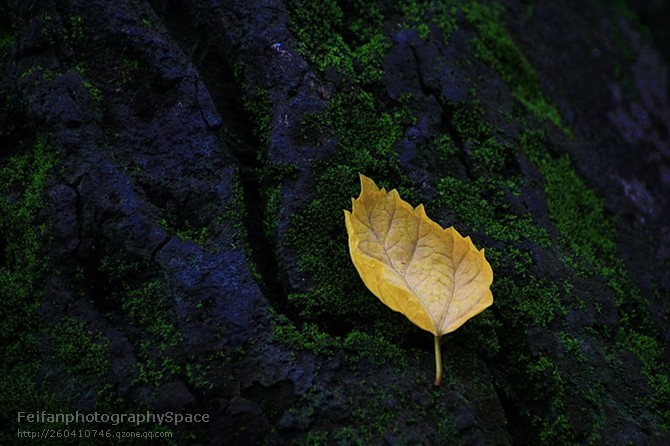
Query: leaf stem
(438,361)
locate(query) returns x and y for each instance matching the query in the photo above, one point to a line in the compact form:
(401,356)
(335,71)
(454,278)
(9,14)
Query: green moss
(368,58)
(129,289)
(7,40)
(37,71)
(368,42)
(470,122)
(308,337)
(93,90)
(82,352)
(258,106)
(152,325)
(23,180)
(544,370)
(95,93)
(490,155)
(272,176)
(317,28)
(572,346)
(494,45)
(445,146)
(589,233)
(414,14)
(585,227)
(146,306)
(336,313)
(535,302)
(372,420)
(553,427)
(21,388)
(366,136)
(272,208)
(574,208)
(348,43)
(128,69)
(481,206)
(154,367)
(418,14)
(365,131)
(481,333)
(578,214)
(234,211)
(650,352)
(189,228)
(556,430)
(313,438)
(346,435)
(190,232)
(374,348)
(75,36)
(645,347)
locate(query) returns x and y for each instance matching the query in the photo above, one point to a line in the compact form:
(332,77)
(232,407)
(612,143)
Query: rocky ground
(173,176)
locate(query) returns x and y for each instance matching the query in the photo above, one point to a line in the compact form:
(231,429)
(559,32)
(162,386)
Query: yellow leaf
(433,276)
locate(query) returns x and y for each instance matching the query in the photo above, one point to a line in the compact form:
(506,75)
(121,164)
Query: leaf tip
(367,183)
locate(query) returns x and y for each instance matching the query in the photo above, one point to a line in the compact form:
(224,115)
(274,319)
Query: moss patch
(481,206)
(419,14)
(495,46)
(366,136)
(23,180)
(479,186)
(81,352)
(589,233)
(348,43)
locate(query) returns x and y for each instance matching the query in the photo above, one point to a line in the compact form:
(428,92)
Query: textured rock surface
(171,232)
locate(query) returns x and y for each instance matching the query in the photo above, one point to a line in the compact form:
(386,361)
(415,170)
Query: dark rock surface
(171,232)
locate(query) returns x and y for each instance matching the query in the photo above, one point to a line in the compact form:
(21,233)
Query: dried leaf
(433,276)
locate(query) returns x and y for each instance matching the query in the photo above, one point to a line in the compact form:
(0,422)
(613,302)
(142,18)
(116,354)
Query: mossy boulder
(173,176)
